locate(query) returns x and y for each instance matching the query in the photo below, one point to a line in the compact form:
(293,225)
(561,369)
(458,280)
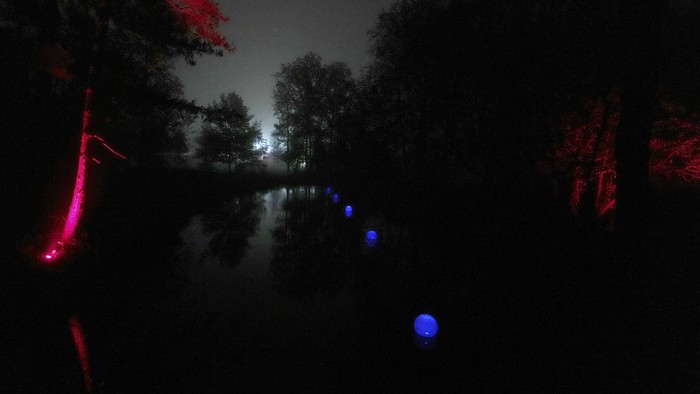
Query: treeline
(479,92)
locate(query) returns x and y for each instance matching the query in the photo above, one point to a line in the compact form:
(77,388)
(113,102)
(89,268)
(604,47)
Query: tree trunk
(641,275)
(638,101)
(77,202)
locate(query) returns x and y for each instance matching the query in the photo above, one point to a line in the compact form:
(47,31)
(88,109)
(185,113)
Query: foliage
(138,101)
(314,105)
(587,155)
(491,93)
(228,134)
(202,18)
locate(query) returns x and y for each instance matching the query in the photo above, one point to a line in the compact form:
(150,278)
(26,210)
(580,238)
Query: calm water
(277,290)
(290,296)
(266,312)
(274,290)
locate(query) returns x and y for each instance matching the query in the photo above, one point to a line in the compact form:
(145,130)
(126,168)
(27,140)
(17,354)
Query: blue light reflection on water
(348,211)
(423,343)
(336,198)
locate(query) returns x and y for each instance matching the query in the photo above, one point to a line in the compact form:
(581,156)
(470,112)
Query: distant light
(348,211)
(328,190)
(372,238)
(336,198)
(425,326)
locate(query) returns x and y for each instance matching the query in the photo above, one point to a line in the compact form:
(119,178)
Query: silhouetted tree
(228,136)
(312,103)
(55,54)
(640,31)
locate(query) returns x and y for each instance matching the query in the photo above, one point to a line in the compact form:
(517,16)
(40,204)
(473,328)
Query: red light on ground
(80,343)
(53,253)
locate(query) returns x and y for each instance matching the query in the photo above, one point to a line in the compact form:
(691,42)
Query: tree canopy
(314,107)
(229,135)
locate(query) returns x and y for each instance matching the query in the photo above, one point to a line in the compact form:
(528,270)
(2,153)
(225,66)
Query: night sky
(266,34)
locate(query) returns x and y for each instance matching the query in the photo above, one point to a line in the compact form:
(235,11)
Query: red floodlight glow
(587,153)
(80,343)
(75,210)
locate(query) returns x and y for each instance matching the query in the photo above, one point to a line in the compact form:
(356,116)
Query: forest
(542,156)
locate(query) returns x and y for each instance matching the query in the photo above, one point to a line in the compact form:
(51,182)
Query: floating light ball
(336,198)
(348,211)
(372,239)
(425,326)
(328,190)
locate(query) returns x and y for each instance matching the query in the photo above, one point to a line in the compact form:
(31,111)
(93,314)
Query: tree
(228,136)
(640,30)
(89,48)
(284,146)
(311,102)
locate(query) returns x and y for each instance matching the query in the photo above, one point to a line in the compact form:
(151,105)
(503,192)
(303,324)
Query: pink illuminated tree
(201,19)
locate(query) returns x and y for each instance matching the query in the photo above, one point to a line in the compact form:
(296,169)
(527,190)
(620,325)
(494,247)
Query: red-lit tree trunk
(201,17)
(75,210)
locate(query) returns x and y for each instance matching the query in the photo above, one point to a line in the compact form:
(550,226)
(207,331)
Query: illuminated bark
(75,210)
(674,155)
(201,17)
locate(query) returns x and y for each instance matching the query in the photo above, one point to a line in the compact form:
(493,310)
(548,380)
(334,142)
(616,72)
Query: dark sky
(266,34)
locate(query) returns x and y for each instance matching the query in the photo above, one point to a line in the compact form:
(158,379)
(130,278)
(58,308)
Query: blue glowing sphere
(336,198)
(372,239)
(425,326)
(348,211)
(328,190)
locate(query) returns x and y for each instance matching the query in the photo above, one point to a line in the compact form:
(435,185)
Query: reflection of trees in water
(310,248)
(234,224)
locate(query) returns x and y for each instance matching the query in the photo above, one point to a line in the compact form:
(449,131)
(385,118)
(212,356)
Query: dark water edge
(525,300)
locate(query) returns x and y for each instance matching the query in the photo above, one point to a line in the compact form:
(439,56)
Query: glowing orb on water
(328,190)
(372,238)
(336,198)
(348,211)
(425,326)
